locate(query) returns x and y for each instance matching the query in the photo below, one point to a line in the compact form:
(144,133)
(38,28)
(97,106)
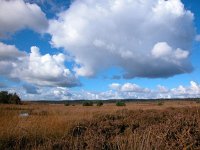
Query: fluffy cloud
(46,70)
(135,91)
(9,57)
(128,87)
(164,51)
(41,70)
(43,93)
(16,15)
(162,89)
(9,52)
(192,91)
(115,86)
(146,38)
(131,92)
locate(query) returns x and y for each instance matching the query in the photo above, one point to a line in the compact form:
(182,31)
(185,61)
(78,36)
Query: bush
(88,103)
(99,103)
(67,104)
(8,98)
(120,103)
(198,101)
(160,103)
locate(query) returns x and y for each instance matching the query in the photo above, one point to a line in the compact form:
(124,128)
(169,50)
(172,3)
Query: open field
(141,125)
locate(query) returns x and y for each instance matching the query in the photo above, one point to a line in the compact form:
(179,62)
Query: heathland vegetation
(140,125)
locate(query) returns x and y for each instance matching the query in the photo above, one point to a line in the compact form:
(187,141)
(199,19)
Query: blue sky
(100,50)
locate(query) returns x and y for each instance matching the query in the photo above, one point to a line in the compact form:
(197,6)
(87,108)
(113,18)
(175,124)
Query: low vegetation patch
(169,129)
(120,103)
(160,103)
(67,104)
(88,103)
(198,101)
(106,128)
(99,103)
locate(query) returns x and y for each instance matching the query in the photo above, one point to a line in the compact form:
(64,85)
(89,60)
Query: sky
(108,49)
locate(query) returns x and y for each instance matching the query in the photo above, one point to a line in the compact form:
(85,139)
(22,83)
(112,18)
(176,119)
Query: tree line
(9,98)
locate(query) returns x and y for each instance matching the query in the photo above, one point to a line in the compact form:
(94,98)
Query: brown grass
(173,125)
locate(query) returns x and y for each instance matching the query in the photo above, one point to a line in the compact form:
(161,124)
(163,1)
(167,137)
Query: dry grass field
(141,125)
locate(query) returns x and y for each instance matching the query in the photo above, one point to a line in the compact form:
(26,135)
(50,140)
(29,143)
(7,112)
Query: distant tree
(8,98)
(120,103)
(88,103)
(198,100)
(67,104)
(4,97)
(160,103)
(14,99)
(99,103)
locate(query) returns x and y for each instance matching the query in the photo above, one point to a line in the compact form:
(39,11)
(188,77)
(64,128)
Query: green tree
(67,104)
(14,99)
(4,97)
(120,103)
(88,103)
(8,98)
(99,103)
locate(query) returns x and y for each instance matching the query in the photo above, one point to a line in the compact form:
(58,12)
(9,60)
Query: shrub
(8,98)
(67,104)
(88,103)
(160,103)
(99,103)
(198,101)
(120,103)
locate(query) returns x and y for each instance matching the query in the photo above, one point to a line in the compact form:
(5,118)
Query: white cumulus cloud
(145,38)
(34,68)
(128,87)
(9,57)
(115,86)
(163,51)
(133,91)
(192,91)
(9,52)
(46,70)
(16,15)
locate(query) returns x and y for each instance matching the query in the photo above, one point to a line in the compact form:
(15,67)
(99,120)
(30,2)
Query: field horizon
(111,100)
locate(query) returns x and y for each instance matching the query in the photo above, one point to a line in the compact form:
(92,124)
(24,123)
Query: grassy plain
(141,125)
